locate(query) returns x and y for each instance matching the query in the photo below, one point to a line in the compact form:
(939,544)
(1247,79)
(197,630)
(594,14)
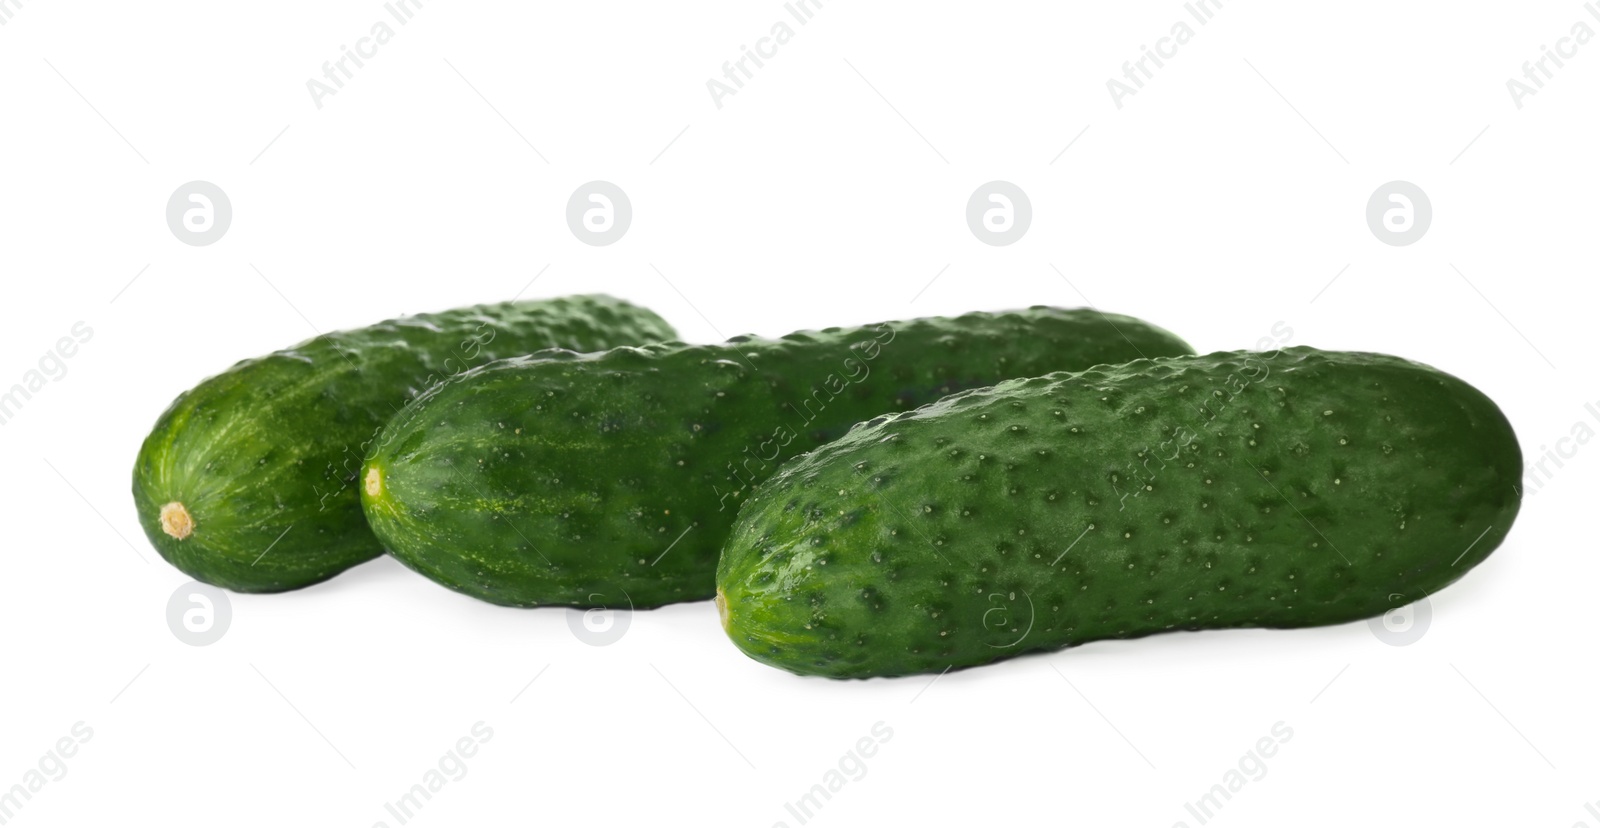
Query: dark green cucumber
(247,480)
(1282,489)
(611,479)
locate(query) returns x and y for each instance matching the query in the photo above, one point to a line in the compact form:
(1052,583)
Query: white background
(1222,198)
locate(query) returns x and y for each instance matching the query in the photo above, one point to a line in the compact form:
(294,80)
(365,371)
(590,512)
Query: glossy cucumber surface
(1285,489)
(611,479)
(247,480)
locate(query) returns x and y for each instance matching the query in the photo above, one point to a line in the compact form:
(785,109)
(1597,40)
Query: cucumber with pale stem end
(1286,489)
(611,479)
(248,480)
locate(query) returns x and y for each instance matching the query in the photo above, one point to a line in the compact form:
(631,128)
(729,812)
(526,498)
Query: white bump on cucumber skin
(176,520)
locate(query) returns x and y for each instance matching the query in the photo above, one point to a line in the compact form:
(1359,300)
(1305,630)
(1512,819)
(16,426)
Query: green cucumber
(611,479)
(1283,489)
(247,480)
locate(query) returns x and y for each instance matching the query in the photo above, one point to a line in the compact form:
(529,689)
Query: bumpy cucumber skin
(1285,489)
(611,479)
(264,456)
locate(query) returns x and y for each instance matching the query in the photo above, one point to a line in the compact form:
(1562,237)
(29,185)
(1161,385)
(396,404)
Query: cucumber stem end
(176,520)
